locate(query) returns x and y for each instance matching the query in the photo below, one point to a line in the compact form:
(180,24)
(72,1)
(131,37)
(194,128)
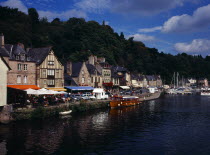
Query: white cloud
(141,37)
(185,23)
(15,4)
(196,46)
(145,30)
(49,14)
(62,15)
(95,6)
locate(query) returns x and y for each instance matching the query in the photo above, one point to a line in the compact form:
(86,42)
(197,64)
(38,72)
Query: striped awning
(57,89)
(24,87)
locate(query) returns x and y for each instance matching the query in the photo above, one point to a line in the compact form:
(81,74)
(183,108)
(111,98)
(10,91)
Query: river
(170,125)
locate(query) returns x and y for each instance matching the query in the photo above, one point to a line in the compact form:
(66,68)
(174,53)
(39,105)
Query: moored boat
(205,91)
(124,101)
(65,112)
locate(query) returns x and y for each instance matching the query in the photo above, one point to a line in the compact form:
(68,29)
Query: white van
(100,94)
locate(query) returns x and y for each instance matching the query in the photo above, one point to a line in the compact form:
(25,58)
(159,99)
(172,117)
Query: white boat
(205,91)
(65,112)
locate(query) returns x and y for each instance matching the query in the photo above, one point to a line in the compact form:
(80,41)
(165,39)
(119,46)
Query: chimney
(91,60)
(69,67)
(1,39)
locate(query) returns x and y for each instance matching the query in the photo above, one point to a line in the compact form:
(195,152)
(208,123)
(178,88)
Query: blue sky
(171,26)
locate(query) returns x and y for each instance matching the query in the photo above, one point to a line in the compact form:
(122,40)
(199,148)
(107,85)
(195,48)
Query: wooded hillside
(76,39)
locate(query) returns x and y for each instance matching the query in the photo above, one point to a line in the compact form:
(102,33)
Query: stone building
(49,70)
(95,76)
(103,68)
(122,74)
(152,81)
(159,82)
(77,74)
(202,82)
(4,68)
(23,69)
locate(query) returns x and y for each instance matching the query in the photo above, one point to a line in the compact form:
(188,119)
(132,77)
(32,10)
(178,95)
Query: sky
(171,26)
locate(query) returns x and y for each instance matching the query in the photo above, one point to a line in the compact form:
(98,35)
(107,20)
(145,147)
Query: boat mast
(177,80)
(174,80)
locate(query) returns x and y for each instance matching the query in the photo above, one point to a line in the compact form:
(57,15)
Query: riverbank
(41,112)
(53,111)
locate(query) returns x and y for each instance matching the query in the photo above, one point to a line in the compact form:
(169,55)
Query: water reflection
(169,125)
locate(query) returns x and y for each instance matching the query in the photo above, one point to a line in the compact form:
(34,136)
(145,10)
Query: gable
(51,58)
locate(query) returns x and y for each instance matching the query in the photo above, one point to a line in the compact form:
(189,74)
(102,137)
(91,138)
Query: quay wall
(51,111)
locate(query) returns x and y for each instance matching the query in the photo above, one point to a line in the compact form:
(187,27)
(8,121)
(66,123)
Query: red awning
(108,84)
(23,87)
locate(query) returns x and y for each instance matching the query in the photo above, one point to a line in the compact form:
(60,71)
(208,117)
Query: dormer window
(28,58)
(17,57)
(22,57)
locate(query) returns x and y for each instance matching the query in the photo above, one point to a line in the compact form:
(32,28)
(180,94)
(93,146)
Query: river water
(166,126)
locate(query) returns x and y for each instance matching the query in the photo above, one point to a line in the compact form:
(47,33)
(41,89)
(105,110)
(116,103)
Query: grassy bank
(51,111)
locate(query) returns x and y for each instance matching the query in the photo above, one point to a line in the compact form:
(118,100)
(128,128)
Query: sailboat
(175,80)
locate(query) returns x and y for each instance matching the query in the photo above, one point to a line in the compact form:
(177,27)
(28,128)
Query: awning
(23,87)
(124,87)
(57,89)
(79,88)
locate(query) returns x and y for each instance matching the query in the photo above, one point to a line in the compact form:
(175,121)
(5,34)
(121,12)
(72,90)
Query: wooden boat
(65,112)
(124,101)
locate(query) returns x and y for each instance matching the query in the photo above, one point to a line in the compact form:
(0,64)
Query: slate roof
(119,69)
(91,69)
(68,78)
(137,77)
(150,77)
(17,50)
(116,69)
(4,52)
(8,47)
(76,67)
(39,54)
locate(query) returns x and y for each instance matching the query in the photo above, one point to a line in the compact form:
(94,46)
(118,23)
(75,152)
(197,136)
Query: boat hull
(205,94)
(116,104)
(65,112)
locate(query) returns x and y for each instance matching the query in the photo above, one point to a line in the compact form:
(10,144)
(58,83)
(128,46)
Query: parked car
(88,96)
(76,97)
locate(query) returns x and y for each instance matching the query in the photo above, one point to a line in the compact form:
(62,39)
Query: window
(50,72)
(28,58)
(25,66)
(19,67)
(18,79)
(50,62)
(25,79)
(44,73)
(17,57)
(22,57)
(83,80)
(82,72)
(88,80)
(91,79)
(99,79)
(51,82)
(44,82)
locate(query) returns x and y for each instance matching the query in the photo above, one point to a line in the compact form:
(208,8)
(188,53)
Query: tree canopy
(76,39)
